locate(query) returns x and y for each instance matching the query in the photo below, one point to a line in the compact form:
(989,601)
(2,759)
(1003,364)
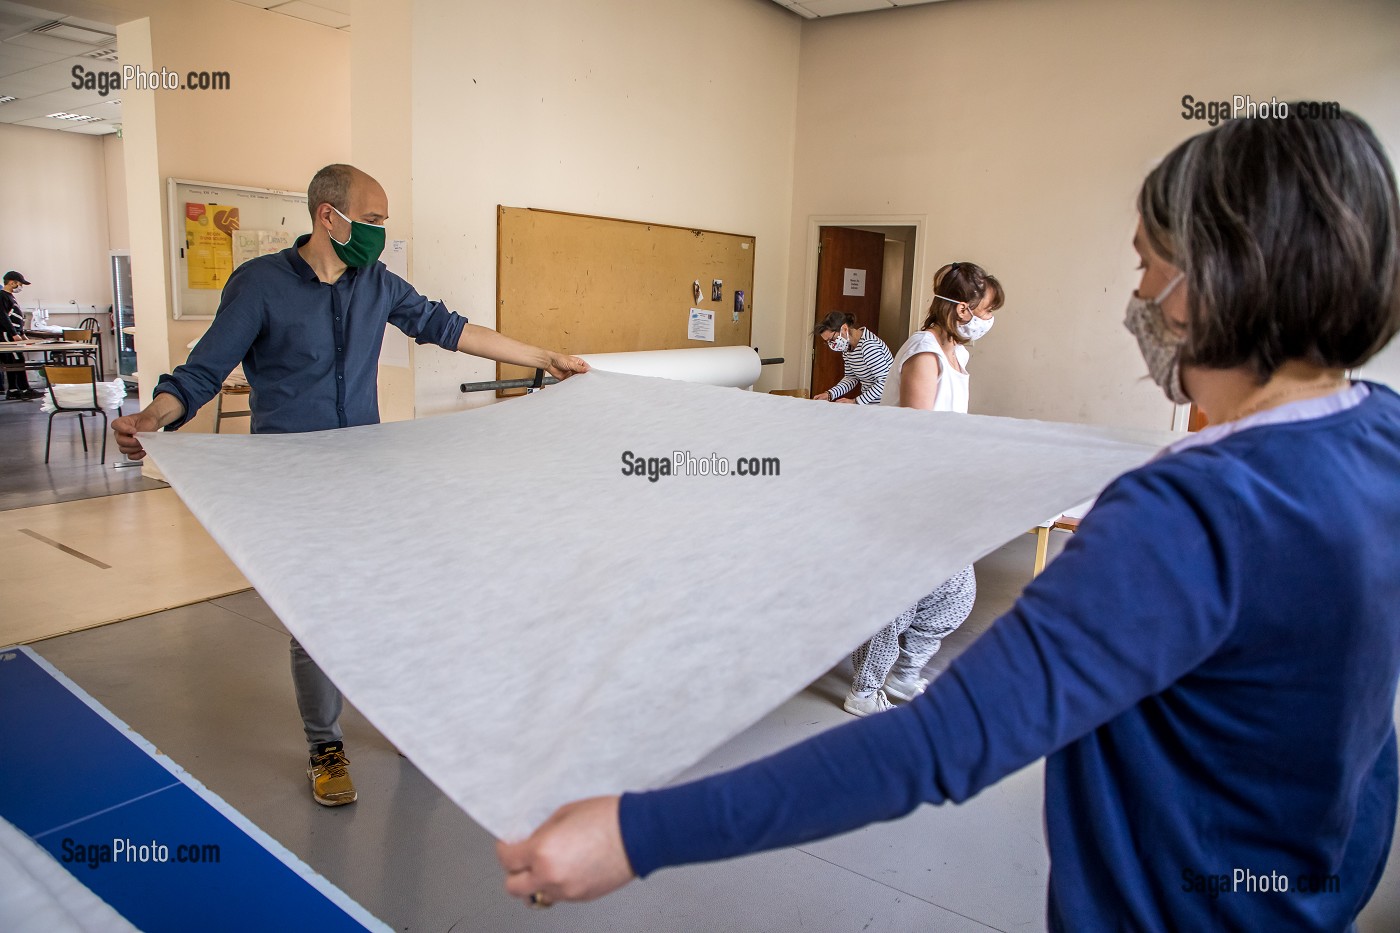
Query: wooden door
(850,267)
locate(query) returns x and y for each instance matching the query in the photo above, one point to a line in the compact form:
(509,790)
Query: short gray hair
(331,185)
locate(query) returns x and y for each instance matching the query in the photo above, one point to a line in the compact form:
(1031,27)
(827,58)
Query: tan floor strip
(159,556)
(65,549)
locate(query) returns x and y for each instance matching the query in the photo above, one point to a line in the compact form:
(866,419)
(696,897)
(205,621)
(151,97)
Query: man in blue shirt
(307,324)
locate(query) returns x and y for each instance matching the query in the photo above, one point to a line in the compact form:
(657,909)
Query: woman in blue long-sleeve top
(1211,664)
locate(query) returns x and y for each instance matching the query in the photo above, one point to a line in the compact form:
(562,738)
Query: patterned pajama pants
(908,643)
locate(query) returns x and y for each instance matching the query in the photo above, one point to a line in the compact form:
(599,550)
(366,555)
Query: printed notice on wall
(853,282)
(702,325)
(209,230)
(396,258)
(394,351)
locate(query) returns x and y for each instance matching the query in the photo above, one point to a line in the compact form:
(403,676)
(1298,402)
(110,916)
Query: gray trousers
(903,647)
(318,699)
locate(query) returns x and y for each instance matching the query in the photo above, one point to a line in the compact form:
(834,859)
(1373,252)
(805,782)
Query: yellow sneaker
(329,773)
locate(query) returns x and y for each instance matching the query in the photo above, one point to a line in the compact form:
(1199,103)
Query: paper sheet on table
(531,626)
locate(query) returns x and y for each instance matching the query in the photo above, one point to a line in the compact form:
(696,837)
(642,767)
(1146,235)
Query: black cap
(13,276)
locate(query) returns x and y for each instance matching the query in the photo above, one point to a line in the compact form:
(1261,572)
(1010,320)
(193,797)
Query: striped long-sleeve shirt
(867,363)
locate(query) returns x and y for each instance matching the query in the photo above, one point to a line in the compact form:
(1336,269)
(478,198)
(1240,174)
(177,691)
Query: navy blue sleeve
(1136,600)
(236,325)
(425,321)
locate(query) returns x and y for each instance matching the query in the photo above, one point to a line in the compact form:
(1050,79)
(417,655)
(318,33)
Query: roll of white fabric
(738,367)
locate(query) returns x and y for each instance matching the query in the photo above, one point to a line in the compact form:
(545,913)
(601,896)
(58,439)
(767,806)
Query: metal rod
(504,384)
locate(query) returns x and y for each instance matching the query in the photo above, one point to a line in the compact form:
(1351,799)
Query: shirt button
(339,349)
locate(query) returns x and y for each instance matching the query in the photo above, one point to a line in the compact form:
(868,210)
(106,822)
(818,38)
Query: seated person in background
(864,355)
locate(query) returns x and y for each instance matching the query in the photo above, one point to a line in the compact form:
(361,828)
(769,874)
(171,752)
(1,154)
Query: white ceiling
(815,9)
(36,67)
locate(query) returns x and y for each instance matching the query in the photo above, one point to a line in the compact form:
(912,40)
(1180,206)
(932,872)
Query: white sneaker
(877,702)
(905,690)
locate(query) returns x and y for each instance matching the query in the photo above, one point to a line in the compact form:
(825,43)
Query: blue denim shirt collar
(303,269)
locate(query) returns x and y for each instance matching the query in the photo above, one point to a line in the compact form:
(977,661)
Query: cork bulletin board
(582,284)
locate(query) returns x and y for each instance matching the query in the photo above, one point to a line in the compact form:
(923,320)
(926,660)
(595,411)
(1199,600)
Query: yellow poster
(209,230)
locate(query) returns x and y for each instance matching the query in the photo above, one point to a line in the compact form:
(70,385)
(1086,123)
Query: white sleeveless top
(952,385)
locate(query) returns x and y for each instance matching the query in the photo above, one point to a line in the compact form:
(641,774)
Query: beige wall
(114,179)
(287,114)
(669,111)
(54,227)
(1385,366)
(1022,129)
(381,143)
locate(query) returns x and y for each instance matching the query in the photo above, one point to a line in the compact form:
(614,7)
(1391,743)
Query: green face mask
(364,246)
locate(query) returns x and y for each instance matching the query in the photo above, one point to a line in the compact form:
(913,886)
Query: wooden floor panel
(74,565)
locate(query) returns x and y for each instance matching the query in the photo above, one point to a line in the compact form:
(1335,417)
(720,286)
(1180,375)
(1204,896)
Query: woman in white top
(964,303)
(929,372)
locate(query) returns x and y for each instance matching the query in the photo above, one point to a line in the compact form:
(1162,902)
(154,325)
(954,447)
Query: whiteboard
(216,228)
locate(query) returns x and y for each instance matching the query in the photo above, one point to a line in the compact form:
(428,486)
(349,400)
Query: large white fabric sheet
(531,626)
(38,895)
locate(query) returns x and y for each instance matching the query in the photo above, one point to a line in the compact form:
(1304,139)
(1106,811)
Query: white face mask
(968,330)
(840,343)
(975,328)
(1159,344)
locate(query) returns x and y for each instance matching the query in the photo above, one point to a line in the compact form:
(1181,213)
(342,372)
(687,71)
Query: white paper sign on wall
(853,282)
(394,350)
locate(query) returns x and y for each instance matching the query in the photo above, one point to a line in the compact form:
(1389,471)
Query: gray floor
(208,685)
(71,473)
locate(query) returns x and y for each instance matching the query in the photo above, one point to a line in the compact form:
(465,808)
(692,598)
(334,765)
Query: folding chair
(74,375)
(77,336)
(91,324)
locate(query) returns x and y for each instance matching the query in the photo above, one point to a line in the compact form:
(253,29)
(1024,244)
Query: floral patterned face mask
(1159,344)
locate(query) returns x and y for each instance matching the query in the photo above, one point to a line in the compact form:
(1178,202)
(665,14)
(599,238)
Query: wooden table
(29,348)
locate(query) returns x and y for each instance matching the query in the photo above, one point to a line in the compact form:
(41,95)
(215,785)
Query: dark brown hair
(833,321)
(954,284)
(1287,232)
(998,293)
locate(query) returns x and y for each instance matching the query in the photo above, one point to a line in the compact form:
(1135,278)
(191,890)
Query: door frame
(809,286)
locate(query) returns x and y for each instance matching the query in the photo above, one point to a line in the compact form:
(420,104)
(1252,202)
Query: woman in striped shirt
(865,356)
